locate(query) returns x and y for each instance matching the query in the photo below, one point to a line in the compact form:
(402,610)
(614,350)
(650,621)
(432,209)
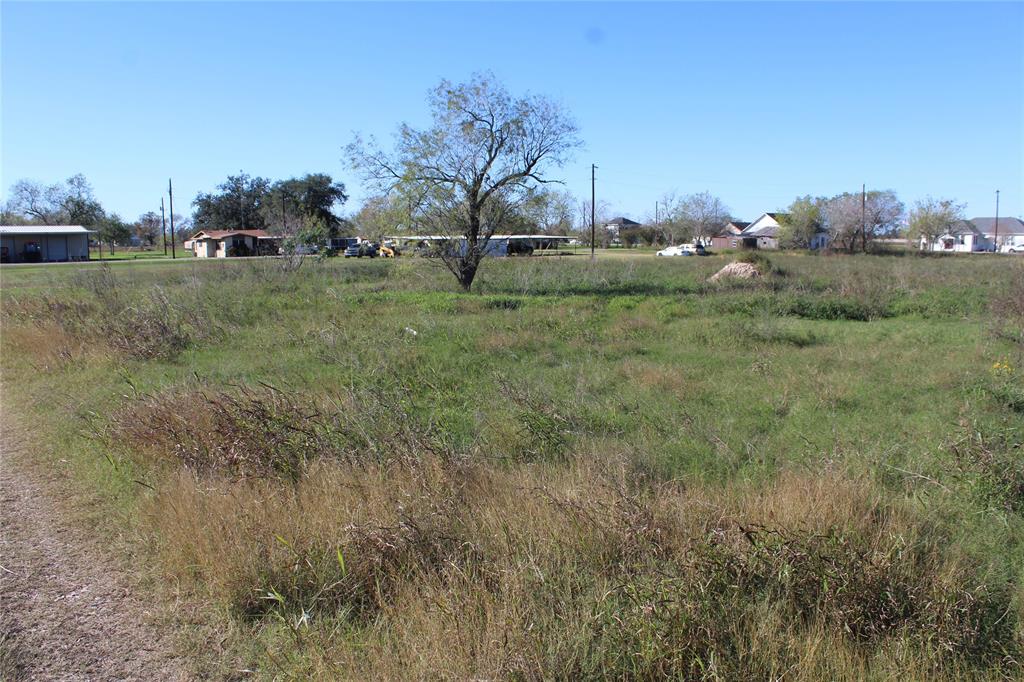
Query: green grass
(137,254)
(877,370)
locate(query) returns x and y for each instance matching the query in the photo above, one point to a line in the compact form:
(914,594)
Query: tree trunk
(467,273)
(469,261)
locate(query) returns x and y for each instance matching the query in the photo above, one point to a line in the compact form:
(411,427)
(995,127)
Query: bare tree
(854,220)
(702,215)
(70,202)
(932,218)
(669,219)
(481,158)
(602,213)
(35,201)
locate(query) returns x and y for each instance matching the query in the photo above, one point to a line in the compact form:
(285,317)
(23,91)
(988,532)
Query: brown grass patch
(580,570)
(664,379)
(47,346)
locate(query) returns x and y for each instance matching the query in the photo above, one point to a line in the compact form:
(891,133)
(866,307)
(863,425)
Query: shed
(44,243)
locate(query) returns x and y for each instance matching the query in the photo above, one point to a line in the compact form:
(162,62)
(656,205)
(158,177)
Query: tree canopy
(64,203)
(800,222)
(855,219)
(244,202)
(235,206)
(931,218)
(482,158)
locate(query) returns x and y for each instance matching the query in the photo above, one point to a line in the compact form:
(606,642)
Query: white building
(1007,235)
(44,243)
(964,237)
(763,233)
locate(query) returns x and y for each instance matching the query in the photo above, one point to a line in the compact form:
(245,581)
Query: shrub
(995,463)
(1007,307)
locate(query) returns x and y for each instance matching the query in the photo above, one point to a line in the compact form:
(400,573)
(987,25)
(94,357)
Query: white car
(675,251)
(1012,248)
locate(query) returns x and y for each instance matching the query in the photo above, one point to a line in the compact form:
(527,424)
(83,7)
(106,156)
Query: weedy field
(583,470)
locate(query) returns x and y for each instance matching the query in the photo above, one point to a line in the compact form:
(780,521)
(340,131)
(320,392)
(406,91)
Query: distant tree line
(305,207)
(73,202)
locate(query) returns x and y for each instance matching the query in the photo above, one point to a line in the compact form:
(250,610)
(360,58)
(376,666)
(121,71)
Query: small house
(763,233)
(616,225)
(963,237)
(234,243)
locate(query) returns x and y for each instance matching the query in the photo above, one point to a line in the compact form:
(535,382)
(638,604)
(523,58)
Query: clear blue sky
(757,103)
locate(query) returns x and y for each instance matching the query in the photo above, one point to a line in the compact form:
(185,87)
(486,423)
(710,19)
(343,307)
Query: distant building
(1010,232)
(230,243)
(43,243)
(763,233)
(963,237)
(729,236)
(615,225)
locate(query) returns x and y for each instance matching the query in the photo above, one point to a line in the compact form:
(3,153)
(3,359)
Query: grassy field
(137,254)
(582,470)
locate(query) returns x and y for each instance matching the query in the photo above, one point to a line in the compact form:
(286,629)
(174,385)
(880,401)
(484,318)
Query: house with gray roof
(963,237)
(616,224)
(1007,234)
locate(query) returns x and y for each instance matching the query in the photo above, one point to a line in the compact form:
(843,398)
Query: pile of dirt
(736,270)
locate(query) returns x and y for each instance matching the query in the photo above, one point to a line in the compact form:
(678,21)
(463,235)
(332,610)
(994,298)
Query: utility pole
(863,217)
(163,224)
(593,194)
(996,236)
(170,196)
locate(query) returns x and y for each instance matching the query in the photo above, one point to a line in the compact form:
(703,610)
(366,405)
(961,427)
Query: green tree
(294,204)
(148,227)
(932,218)
(237,205)
(383,215)
(800,222)
(483,156)
(113,230)
(548,212)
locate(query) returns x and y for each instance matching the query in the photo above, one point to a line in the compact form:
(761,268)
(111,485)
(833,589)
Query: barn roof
(41,230)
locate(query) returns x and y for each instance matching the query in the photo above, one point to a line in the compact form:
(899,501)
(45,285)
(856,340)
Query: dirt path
(67,609)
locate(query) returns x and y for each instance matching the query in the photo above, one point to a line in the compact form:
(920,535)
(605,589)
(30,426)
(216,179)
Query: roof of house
(44,229)
(732,229)
(965,227)
(621,222)
(222,234)
(766,231)
(770,230)
(1007,225)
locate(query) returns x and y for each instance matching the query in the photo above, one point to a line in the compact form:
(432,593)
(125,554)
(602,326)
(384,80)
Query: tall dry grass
(577,567)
